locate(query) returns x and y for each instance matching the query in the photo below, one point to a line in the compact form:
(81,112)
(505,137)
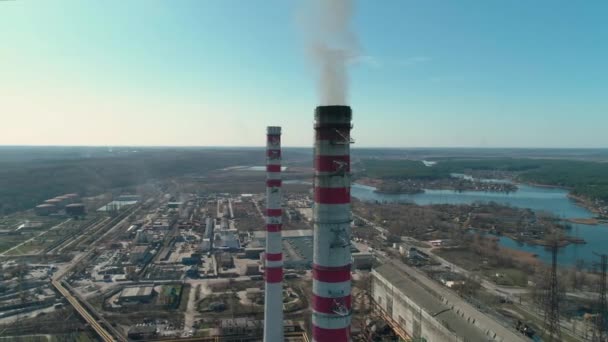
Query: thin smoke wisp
(332,45)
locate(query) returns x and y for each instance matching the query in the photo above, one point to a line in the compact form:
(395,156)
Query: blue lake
(552,200)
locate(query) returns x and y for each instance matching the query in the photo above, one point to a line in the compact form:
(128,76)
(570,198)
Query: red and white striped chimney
(273,300)
(331,302)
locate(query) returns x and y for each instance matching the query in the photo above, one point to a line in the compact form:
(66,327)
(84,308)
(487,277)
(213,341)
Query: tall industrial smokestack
(331,302)
(273,300)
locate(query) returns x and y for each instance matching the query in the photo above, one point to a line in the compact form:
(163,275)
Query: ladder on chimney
(340,240)
(339,304)
(344,138)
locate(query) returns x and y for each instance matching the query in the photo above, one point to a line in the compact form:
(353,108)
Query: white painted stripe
(331,290)
(332,257)
(273,175)
(274,219)
(328,213)
(337,181)
(273,312)
(325,238)
(327,321)
(273,198)
(274,264)
(274,242)
(327,148)
(273,202)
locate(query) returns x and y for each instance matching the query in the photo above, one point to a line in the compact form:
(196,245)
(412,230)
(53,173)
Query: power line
(552,317)
(601,320)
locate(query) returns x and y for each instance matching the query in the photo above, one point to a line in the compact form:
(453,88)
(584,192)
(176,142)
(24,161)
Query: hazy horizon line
(311,146)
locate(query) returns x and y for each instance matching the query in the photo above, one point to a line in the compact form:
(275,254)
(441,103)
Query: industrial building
(362,261)
(419,312)
(75,209)
(240,326)
(140,255)
(227,240)
(136,294)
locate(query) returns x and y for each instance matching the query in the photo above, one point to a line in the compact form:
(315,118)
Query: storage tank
(45,209)
(64,200)
(53,201)
(75,209)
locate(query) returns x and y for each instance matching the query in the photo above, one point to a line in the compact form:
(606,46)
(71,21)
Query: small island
(417,186)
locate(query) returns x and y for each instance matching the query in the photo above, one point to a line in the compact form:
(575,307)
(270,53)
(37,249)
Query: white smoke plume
(332,45)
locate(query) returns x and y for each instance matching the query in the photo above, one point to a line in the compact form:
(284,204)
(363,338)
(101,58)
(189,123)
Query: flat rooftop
(429,303)
(136,291)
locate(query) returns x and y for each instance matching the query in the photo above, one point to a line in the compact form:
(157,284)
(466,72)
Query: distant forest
(586,178)
(30,175)
(25,183)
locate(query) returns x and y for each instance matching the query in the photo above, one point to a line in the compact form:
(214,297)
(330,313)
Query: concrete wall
(408,314)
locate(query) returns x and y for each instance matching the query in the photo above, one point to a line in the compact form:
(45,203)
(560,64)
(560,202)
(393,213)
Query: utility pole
(551,325)
(602,313)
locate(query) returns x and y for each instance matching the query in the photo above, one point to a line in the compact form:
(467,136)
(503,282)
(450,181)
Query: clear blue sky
(484,73)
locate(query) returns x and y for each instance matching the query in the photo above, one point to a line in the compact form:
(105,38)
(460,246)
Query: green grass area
(472,262)
(507,276)
(461,257)
(9,241)
(48,237)
(35,338)
(74,337)
(170,294)
(28,248)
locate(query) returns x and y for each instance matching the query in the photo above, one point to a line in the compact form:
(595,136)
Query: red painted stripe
(332,163)
(332,134)
(328,305)
(273,182)
(274,212)
(273,228)
(273,274)
(332,195)
(273,153)
(331,274)
(273,168)
(330,335)
(274,256)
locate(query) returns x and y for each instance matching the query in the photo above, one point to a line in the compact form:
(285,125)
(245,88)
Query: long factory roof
(429,303)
